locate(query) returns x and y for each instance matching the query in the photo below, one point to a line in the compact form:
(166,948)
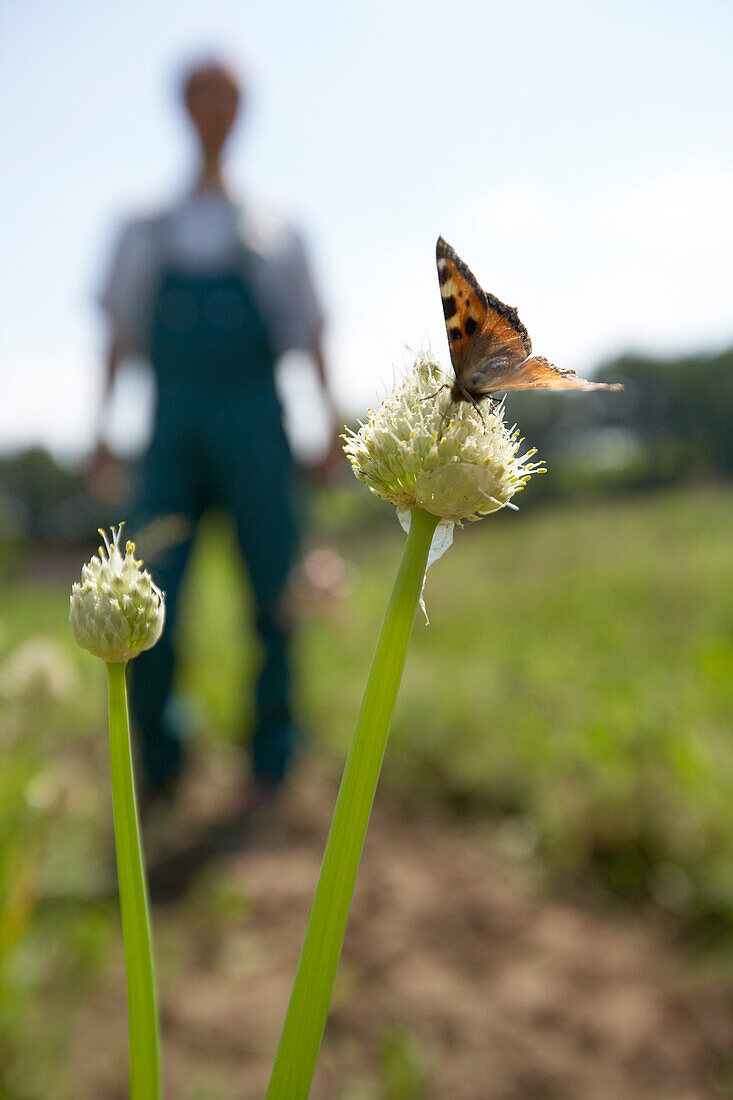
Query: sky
(576,155)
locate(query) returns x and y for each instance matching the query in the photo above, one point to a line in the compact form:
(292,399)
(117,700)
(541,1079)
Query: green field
(575,682)
(574,689)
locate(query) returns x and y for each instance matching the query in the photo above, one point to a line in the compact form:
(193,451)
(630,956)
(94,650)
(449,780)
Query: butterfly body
(490,348)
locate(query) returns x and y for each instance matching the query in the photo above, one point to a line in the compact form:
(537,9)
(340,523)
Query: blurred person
(211,292)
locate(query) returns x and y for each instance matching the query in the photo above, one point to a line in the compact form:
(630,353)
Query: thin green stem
(305,1021)
(141,999)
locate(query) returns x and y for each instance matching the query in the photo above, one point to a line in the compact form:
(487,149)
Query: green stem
(141,999)
(305,1021)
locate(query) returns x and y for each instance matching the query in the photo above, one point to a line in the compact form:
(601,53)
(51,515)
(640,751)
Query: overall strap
(160,236)
(256,271)
(250,262)
(158,227)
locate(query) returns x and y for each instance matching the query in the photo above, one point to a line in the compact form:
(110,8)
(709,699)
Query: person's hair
(204,69)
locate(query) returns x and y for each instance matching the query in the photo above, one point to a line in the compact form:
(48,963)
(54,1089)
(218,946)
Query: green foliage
(403,1066)
(53,818)
(673,422)
(688,402)
(574,690)
(575,686)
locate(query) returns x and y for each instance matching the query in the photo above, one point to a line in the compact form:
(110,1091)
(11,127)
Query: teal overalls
(218,442)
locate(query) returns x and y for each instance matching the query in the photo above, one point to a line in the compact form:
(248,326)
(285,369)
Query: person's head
(212,95)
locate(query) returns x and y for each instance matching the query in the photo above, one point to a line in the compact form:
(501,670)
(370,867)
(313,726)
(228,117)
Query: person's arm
(333,452)
(122,297)
(298,324)
(106,479)
(321,370)
(100,452)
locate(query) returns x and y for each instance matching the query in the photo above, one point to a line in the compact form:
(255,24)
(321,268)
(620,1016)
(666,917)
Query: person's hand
(99,459)
(105,478)
(332,458)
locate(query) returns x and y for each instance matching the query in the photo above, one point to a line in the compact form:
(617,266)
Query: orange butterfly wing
(483,333)
(489,346)
(538,373)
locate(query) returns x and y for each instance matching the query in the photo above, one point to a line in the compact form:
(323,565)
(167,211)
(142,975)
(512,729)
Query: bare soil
(458,980)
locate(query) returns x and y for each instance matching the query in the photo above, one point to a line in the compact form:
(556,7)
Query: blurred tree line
(673,422)
(44,501)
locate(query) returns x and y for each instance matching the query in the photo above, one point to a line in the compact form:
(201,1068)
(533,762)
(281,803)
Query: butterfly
(489,346)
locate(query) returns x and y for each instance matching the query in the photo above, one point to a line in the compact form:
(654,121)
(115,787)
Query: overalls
(218,441)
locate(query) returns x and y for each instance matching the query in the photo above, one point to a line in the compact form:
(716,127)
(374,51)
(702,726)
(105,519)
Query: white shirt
(205,232)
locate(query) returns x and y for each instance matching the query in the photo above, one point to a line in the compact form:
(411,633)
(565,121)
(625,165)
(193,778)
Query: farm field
(563,732)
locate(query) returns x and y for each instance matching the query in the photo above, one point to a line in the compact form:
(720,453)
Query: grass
(574,689)
(575,683)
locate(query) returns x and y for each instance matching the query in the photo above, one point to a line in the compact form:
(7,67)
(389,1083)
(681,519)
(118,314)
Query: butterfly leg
(446,414)
(432,395)
(472,401)
(429,397)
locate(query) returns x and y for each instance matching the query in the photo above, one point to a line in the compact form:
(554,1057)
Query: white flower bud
(420,449)
(116,611)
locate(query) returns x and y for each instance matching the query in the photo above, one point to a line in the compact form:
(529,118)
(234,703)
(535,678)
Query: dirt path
(456,981)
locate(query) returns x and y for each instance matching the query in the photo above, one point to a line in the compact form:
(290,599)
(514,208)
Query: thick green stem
(305,1021)
(141,999)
